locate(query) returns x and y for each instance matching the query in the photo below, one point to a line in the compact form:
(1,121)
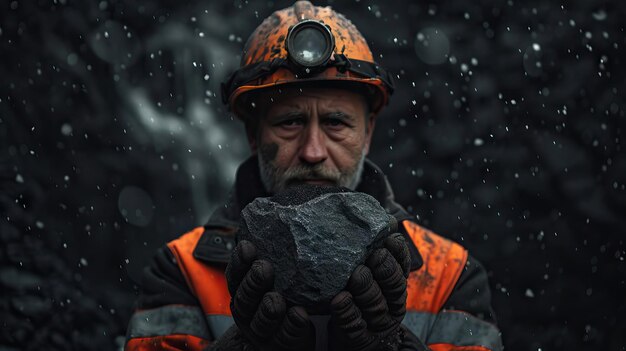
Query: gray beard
(275,179)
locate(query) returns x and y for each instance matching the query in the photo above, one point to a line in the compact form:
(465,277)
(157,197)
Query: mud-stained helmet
(307,44)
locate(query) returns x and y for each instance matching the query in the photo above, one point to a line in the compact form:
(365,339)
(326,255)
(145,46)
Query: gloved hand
(367,315)
(262,315)
(410,342)
(231,340)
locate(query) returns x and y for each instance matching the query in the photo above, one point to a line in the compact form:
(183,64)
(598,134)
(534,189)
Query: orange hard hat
(307,44)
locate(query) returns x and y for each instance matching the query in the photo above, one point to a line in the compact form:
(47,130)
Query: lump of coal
(315,237)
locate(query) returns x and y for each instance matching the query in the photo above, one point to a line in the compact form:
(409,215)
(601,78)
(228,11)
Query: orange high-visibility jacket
(185,303)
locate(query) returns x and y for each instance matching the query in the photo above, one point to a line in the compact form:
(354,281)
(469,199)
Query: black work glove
(231,340)
(410,342)
(367,315)
(262,315)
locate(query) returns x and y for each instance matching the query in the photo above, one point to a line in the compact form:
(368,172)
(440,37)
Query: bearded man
(309,92)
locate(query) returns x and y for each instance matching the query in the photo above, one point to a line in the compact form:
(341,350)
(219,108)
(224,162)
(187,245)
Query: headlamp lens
(310,44)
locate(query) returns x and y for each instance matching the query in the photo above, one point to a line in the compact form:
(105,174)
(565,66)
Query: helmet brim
(245,102)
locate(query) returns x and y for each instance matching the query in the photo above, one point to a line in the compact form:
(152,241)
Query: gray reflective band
(167,320)
(456,328)
(419,323)
(218,324)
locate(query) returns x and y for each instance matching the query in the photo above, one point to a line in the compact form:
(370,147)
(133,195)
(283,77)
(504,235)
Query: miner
(308,91)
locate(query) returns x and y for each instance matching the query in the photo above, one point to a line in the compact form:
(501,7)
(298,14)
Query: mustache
(318,171)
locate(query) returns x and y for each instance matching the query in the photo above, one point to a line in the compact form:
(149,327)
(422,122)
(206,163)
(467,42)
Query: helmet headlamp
(306,44)
(310,45)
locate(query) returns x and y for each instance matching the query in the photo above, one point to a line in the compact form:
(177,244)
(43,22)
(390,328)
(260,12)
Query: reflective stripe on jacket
(428,288)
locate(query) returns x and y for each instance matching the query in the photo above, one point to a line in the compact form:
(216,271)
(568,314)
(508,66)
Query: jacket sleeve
(467,320)
(448,296)
(471,293)
(167,316)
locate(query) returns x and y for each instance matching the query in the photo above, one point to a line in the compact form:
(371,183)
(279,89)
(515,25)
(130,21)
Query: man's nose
(313,148)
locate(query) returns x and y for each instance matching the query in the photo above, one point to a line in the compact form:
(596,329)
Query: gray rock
(315,245)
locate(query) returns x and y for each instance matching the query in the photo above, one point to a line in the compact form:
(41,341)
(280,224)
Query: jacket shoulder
(430,286)
(472,293)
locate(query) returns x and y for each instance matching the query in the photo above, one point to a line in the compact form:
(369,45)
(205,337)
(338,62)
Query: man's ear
(370,123)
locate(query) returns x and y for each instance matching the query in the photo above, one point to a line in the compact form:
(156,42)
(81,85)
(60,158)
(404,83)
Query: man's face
(317,136)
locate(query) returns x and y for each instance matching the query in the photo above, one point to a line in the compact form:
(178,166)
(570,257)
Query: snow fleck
(529,293)
(540,235)
(83,262)
(599,15)
(536,47)
(66,129)
(19,178)
(432,46)
(478,142)
(72,59)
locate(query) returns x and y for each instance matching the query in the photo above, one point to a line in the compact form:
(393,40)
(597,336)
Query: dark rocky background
(505,134)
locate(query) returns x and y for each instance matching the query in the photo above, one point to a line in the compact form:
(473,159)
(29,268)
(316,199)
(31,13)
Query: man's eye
(335,122)
(291,122)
